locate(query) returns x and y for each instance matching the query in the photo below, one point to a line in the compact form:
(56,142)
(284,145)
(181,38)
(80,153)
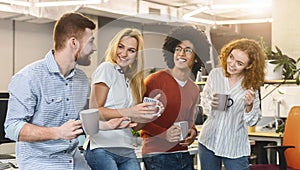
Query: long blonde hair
(135,72)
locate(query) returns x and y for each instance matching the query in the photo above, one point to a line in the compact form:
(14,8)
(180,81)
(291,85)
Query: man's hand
(190,138)
(69,130)
(116,123)
(173,134)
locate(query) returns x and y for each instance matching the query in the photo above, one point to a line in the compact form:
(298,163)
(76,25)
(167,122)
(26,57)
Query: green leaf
(297,78)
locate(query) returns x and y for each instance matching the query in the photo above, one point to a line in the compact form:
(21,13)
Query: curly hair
(195,36)
(254,76)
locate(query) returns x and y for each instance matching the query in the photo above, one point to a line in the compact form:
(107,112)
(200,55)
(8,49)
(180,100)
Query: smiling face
(87,48)
(184,56)
(126,51)
(237,62)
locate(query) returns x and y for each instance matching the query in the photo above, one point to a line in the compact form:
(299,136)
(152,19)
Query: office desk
(9,149)
(268,137)
(261,136)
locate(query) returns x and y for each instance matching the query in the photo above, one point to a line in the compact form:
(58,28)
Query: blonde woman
(117,88)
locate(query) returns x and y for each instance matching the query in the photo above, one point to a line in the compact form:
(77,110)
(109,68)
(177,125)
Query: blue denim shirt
(41,95)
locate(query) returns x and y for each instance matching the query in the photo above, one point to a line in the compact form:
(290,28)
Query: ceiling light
(68,3)
(226,6)
(200,20)
(197,11)
(262,6)
(223,22)
(241,6)
(15,2)
(244,21)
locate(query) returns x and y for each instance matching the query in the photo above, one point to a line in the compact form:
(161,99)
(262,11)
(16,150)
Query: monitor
(278,99)
(3,110)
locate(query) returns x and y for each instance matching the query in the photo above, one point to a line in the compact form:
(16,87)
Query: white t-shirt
(119,96)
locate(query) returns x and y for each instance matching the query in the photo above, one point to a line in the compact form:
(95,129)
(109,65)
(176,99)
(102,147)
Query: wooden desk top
(259,134)
(266,134)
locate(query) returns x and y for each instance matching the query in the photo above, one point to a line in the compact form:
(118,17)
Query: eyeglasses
(187,51)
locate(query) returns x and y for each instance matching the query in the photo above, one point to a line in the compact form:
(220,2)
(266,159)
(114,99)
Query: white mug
(151,100)
(90,121)
(224,101)
(184,127)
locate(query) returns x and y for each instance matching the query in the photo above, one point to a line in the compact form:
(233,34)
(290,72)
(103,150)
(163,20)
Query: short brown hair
(70,25)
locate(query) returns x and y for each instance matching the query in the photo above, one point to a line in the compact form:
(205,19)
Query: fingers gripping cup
(90,121)
(184,129)
(151,100)
(224,101)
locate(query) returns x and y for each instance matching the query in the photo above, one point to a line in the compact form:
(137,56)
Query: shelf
(280,81)
(266,82)
(200,82)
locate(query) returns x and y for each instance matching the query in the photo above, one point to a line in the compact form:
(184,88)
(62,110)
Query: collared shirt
(41,95)
(225,132)
(119,97)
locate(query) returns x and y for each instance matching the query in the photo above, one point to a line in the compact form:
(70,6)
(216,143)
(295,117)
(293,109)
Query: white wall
(21,44)
(6,53)
(32,42)
(278,102)
(25,43)
(286,26)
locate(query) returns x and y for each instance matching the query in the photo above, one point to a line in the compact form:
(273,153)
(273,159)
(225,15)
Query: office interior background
(26,26)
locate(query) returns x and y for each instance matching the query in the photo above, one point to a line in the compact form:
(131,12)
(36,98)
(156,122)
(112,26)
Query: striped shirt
(41,95)
(225,132)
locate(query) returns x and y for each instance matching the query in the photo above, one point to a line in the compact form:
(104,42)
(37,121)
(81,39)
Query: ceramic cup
(90,121)
(148,99)
(224,101)
(184,127)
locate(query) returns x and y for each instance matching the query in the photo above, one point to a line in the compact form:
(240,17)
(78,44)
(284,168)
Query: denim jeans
(100,159)
(209,161)
(169,161)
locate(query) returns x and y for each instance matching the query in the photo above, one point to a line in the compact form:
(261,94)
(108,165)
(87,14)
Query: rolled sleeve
(20,108)
(12,130)
(252,117)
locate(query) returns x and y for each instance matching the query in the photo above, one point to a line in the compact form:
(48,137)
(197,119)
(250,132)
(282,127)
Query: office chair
(289,152)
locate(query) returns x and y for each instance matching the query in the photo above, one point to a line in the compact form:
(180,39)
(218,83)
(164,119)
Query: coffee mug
(90,121)
(151,100)
(224,101)
(184,127)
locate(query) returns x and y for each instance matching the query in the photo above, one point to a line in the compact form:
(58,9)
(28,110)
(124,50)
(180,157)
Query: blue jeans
(169,161)
(209,161)
(100,159)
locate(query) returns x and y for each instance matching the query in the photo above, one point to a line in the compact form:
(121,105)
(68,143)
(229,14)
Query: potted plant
(284,62)
(137,140)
